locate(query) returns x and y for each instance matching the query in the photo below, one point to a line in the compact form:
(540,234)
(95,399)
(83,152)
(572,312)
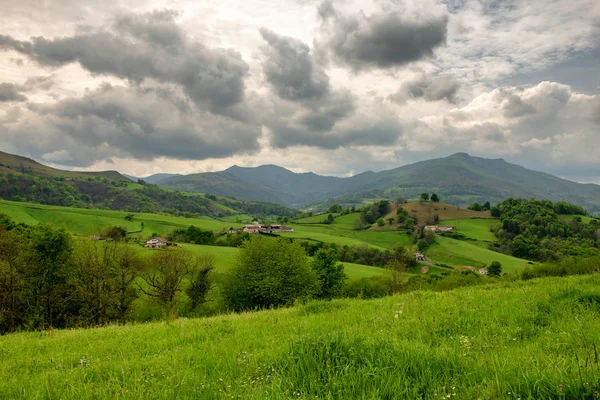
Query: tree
(475,207)
(101,280)
(200,282)
(115,233)
(495,268)
(329,219)
(435,198)
(268,273)
(391,220)
(398,268)
(164,278)
(46,264)
(409,223)
(486,206)
(424,196)
(330,274)
(495,212)
(10,280)
(380,222)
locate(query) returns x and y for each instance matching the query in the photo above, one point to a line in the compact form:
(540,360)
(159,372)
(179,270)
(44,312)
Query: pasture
(529,340)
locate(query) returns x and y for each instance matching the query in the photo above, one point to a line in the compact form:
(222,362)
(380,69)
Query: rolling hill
(459,179)
(10,163)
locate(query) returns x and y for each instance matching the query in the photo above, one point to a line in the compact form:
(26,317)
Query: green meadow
(447,251)
(519,340)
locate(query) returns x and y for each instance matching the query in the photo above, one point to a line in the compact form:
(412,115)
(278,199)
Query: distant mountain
(153,179)
(459,179)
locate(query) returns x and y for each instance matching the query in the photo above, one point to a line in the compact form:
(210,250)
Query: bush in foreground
(268,273)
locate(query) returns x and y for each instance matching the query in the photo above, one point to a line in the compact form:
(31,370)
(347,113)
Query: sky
(333,87)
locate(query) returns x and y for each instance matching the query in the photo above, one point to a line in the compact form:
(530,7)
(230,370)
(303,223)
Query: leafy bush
(268,273)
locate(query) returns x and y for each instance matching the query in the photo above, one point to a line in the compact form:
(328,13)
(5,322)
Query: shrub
(268,273)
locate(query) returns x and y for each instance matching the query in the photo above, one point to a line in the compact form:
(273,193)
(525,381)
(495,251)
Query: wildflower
(560,386)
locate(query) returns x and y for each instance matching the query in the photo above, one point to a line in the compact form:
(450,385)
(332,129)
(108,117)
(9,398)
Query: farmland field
(474,228)
(528,340)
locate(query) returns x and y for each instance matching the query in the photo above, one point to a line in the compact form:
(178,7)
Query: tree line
(49,280)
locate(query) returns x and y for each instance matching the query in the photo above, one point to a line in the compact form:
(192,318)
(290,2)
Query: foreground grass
(528,340)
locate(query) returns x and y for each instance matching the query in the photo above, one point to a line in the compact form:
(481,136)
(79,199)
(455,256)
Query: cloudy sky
(335,87)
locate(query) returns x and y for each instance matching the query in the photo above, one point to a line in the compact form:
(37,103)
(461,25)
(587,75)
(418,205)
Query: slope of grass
(10,163)
(425,212)
(478,229)
(91,221)
(528,340)
(458,253)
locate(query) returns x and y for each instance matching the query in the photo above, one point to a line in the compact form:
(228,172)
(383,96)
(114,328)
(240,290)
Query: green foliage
(164,279)
(435,198)
(423,238)
(531,229)
(424,196)
(380,222)
(195,235)
(330,274)
(368,288)
(268,273)
(495,269)
(200,282)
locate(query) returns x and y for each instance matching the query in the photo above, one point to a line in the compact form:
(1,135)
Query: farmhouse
(257,228)
(437,228)
(420,257)
(156,243)
(483,271)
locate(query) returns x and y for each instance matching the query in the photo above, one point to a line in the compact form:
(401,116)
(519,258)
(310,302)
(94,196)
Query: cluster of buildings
(257,228)
(482,271)
(158,243)
(437,228)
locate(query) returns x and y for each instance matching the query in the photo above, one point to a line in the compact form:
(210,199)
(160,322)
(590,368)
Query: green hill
(13,164)
(23,179)
(459,179)
(528,340)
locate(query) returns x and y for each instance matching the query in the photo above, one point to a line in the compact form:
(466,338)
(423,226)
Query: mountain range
(459,179)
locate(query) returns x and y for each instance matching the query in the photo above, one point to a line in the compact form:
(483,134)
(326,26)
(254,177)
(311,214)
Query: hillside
(459,179)
(153,179)
(10,163)
(23,179)
(528,340)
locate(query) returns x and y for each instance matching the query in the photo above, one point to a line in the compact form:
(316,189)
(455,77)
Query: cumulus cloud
(124,122)
(429,88)
(289,68)
(144,46)
(381,40)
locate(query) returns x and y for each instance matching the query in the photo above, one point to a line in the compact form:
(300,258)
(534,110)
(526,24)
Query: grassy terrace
(527,340)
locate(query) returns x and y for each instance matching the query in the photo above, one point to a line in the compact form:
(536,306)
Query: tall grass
(530,340)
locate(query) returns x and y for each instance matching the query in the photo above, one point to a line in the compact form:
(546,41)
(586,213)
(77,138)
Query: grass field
(474,228)
(458,253)
(585,219)
(90,221)
(520,340)
(426,211)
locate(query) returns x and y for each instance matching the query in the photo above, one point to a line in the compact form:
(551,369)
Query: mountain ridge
(460,178)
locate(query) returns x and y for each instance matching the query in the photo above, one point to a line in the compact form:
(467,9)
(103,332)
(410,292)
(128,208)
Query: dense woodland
(534,230)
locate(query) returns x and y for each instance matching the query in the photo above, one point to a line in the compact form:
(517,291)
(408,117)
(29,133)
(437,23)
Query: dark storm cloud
(11,92)
(290,70)
(383,40)
(380,133)
(431,89)
(147,46)
(126,122)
